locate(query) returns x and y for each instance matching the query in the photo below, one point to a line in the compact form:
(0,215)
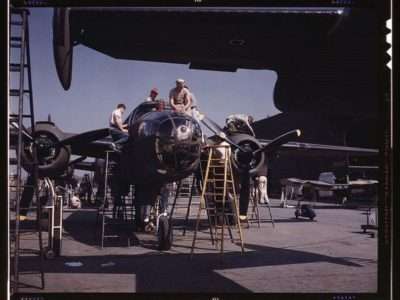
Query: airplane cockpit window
(147,128)
(140,110)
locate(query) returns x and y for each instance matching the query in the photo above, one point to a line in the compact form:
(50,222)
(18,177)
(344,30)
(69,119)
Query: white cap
(180,80)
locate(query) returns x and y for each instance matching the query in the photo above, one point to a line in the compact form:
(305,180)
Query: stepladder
(218,198)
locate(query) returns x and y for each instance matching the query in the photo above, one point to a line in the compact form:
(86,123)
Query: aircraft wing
(92,143)
(204,37)
(322,150)
(85,165)
(95,149)
(321,185)
(312,49)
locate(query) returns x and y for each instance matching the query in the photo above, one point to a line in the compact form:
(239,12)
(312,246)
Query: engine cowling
(246,161)
(53,157)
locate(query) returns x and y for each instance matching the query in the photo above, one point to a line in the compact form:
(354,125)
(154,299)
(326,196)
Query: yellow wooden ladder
(218,198)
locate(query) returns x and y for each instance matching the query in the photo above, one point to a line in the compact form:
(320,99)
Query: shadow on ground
(166,272)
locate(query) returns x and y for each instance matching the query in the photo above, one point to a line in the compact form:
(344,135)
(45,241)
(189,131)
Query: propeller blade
(86,137)
(24,131)
(220,133)
(213,123)
(279,141)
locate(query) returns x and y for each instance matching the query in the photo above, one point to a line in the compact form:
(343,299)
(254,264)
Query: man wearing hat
(179,97)
(153,95)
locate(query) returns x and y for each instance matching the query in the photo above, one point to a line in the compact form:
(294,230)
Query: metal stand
(218,198)
(109,214)
(19,40)
(369,225)
(185,189)
(192,191)
(255,212)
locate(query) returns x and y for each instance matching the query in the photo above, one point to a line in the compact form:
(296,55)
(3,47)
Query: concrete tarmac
(327,255)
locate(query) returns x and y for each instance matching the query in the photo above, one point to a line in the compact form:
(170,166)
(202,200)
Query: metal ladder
(185,189)
(218,198)
(108,213)
(20,64)
(255,211)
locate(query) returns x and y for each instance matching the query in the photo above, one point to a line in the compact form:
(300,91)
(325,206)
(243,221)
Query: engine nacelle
(243,161)
(53,157)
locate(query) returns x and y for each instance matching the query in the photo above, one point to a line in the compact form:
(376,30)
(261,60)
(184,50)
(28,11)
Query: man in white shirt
(118,130)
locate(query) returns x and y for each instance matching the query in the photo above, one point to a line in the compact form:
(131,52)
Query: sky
(100,82)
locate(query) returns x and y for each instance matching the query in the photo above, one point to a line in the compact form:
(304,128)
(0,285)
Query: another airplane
(321,59)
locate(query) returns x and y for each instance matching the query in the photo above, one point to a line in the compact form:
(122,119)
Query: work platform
(329,254)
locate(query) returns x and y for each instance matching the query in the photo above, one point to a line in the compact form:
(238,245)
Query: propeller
(24,131)
(277,142)
(247,154)
(220,133)
(271,146)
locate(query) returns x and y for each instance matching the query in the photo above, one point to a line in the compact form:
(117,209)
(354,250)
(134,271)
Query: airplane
(163,146)
(156,153)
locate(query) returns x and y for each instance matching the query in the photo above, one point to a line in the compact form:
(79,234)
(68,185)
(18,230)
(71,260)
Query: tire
(46,133)
(164,234)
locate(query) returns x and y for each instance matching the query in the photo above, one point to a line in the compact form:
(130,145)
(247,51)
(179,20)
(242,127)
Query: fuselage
(163,146)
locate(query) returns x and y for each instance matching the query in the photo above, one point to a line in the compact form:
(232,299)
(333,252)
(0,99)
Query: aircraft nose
(183,132)
(179,143)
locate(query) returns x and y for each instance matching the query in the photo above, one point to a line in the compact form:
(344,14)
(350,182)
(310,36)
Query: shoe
(149,227)
(22,218)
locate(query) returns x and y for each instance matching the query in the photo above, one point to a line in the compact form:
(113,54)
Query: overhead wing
(313,50)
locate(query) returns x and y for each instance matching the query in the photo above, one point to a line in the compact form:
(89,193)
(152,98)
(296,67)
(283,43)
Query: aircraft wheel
(164,234)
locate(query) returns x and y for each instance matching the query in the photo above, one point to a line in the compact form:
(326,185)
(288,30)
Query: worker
(153,95)
(180,97)
(118,130)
